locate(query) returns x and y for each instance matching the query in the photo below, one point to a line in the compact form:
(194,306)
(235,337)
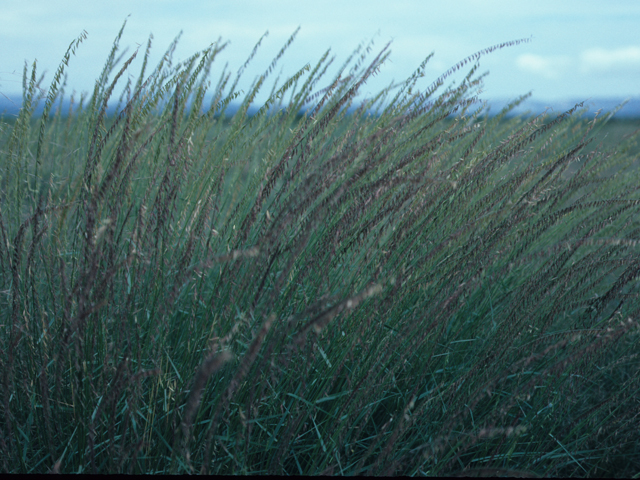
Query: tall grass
(386,290)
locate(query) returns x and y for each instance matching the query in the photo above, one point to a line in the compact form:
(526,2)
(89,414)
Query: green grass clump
(386,290)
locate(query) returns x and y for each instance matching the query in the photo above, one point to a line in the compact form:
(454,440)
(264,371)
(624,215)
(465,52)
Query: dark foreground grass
(390,291)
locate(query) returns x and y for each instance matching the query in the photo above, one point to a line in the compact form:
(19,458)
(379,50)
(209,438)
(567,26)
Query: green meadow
(403,285)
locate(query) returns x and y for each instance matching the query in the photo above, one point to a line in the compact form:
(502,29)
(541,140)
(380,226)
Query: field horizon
(10,105)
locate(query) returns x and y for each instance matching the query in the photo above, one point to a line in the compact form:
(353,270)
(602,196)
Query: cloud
(550,66)
(602,60)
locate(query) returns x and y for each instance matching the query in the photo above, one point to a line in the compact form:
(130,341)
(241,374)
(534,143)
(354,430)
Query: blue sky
(579,49)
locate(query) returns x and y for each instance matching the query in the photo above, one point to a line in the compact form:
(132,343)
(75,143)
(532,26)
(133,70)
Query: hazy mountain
(630,110)
(9,105)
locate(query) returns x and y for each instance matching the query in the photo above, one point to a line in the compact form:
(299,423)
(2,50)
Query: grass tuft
(404,286)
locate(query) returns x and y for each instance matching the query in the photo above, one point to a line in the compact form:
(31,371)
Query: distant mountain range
(631,109)
(10,106)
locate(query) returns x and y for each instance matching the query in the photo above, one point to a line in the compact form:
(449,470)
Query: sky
(578,49)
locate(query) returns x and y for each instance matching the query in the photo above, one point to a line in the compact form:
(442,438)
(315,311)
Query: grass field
(394,291)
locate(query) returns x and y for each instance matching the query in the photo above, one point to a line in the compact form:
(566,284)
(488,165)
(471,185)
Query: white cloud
(602,60)
(550,66)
